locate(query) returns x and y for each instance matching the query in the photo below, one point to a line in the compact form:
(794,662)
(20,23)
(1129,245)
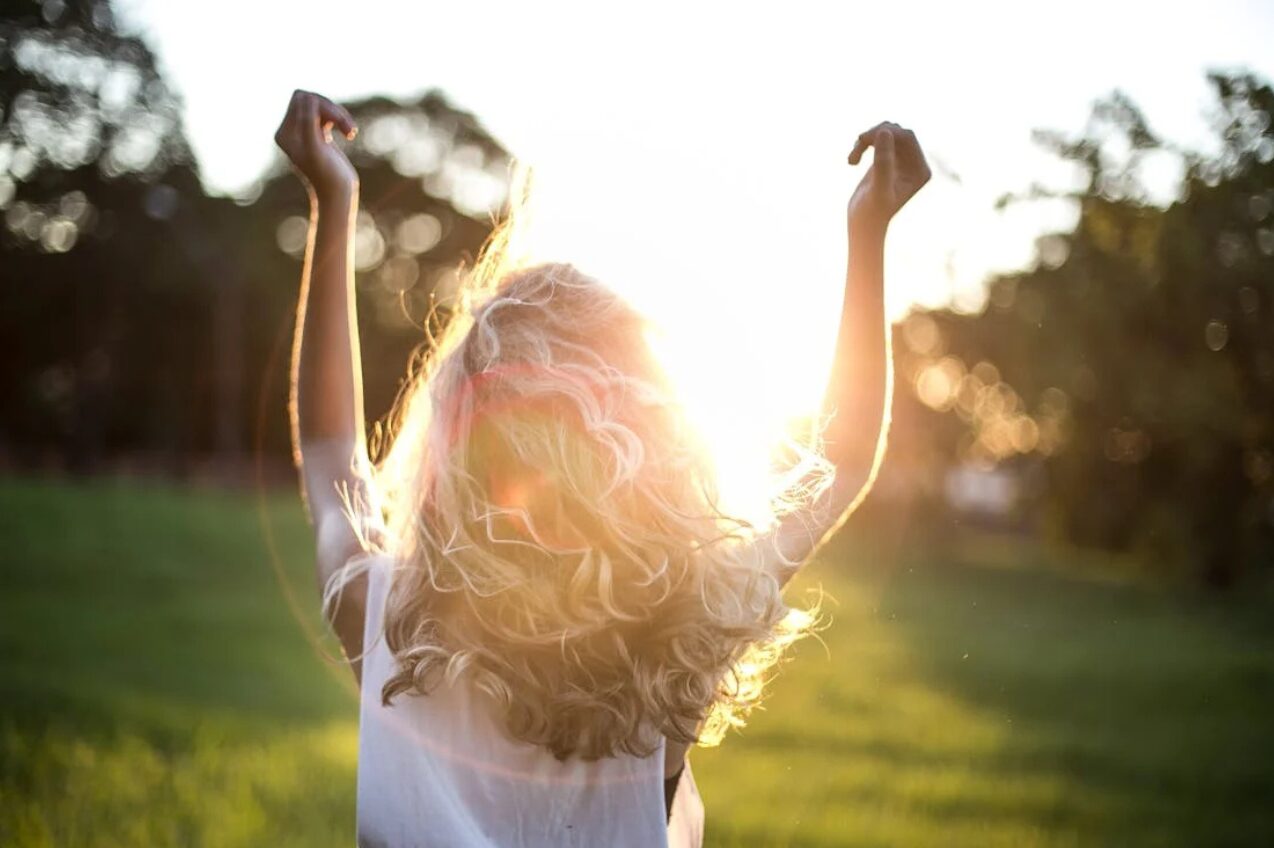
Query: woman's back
(439,770)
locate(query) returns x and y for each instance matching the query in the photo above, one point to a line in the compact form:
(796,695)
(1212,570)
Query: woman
(534,586)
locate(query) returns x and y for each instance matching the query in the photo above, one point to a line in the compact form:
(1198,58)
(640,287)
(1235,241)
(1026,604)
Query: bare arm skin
(859,388)
(326,402)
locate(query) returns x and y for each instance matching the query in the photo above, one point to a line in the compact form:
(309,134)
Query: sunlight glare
(744,295)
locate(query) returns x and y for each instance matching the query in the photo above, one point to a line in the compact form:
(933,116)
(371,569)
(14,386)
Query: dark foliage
(1139,347)
(142,318)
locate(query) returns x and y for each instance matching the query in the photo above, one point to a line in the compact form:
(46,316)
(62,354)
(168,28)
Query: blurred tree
(431,179)
(93,164)
(136,312)
(1134,364)
(76,91)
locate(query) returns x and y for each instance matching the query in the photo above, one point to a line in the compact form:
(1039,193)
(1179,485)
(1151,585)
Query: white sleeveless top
(439,770)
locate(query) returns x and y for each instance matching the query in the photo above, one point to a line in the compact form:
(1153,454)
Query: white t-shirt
(439,770)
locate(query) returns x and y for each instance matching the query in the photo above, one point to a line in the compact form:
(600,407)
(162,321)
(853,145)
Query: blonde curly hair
(556,533)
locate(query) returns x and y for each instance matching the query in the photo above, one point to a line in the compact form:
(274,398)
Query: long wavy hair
(556,532)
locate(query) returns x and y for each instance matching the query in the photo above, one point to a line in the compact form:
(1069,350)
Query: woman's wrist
(334,198)
(867,233)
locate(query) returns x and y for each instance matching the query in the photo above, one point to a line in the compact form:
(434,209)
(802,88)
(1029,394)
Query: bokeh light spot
(1216,334)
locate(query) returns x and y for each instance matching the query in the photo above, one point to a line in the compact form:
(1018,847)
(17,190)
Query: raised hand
(306,137)
(897,172)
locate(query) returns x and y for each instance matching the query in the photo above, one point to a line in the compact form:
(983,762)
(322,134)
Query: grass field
(158,690)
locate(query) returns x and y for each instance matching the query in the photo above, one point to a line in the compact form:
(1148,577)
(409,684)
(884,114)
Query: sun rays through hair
(555,527)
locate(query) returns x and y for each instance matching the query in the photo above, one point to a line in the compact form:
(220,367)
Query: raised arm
(326,402)
(859,390)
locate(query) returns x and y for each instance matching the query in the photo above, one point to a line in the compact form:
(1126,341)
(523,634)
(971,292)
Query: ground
(160,688)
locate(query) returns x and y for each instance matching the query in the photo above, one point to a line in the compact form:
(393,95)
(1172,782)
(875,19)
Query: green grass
(158,690)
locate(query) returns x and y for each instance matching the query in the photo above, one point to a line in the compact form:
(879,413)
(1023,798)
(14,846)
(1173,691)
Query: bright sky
(693,154)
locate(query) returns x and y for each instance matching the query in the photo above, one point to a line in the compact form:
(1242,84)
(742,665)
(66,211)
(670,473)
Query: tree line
(1122,383)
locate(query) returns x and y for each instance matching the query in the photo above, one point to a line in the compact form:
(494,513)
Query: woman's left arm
(326,400)
(860,387)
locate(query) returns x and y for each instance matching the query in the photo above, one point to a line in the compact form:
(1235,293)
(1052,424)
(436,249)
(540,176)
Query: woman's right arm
(326,402)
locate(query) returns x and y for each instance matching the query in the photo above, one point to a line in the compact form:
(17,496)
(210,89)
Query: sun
(743,418)
(744,331)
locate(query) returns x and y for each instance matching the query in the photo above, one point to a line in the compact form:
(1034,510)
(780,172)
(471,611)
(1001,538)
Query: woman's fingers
(313,128)
(885,154)
(308,118)
(286,136)
(883,133)
(896,148)
(865,141)
(898,170)
(336,115)
(306,135)
(860,146)
(910,152)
